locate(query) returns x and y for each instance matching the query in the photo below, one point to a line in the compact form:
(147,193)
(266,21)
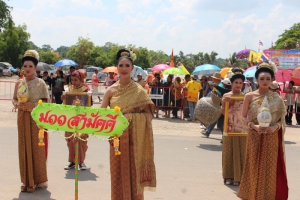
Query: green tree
(62,50)
(81,51)
(290,37)
(33,46)
(5,14)
(47,47)
(13,42)
(142,58)
(157,57)
(48,57)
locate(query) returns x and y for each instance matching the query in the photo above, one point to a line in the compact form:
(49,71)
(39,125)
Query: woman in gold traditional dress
(133,171)
(234,147)
(264,175)
(78,85)
(32,158)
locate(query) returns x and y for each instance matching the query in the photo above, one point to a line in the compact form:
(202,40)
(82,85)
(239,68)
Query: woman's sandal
(228,181)
(31,189)
(23,188)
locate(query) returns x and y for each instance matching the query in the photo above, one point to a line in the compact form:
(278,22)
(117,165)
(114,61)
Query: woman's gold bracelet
(130,117)
(249,125)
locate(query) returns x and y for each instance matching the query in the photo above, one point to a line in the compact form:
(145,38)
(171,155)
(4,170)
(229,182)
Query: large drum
(208,110)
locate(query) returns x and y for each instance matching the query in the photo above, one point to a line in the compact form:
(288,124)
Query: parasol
(110,69)
(296,76)
(65,62)
(224,71)
(174,70)
(138,70)
(243,54)
(283,75)
(206,69)
(41,66)
(160,67)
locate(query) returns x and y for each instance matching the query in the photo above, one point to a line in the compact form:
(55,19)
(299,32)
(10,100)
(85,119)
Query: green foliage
(290,37)
(5,15)
(48,57)
(62,50)
(13,42)
(33,46)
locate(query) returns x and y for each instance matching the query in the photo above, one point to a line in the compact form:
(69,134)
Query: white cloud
(146,24)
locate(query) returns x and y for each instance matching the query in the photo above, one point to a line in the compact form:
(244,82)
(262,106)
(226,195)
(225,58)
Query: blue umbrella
(250,72)
(136,70)
(206,69)
(65,62)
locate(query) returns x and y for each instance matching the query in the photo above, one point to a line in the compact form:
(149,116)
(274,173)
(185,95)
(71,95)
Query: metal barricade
(163,98)
(7,90)
(97,92)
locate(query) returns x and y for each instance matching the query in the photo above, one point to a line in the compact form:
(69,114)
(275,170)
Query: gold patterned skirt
(233,156)
(264,175)
(32,158)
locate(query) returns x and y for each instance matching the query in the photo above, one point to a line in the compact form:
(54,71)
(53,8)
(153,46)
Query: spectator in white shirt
(290,100)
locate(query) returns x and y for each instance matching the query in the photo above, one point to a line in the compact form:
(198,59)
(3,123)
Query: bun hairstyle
(80,74)
(236,74)
(268,67)
(31,55)
(126,53)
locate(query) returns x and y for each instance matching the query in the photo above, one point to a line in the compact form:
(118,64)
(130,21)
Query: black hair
(124,53)
(45,72)
(264,69)
(237,73)
(72,67)
(187,76)
(292,82)
(30,58)
(61,73)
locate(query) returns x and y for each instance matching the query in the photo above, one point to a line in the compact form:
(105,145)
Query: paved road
(188,165)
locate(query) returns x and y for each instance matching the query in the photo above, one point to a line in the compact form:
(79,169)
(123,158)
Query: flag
(172,59)
(285,45)
(254,56)
(260,43)
(264,58)
(297,44)
(184,69)
(272,44)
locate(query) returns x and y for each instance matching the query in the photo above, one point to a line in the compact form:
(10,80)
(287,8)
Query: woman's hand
(63,97)
(263,130)
(26,106)
(272,129)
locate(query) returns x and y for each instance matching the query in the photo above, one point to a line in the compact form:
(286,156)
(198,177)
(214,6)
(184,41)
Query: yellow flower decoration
(40,102)
(117,109)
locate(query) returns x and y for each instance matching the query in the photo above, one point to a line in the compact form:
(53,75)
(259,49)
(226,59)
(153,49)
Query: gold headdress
(126,53)
(269,65)
(31,55)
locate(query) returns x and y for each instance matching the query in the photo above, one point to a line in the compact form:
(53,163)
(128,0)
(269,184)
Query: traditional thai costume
(32,158)
(264,175)
(71,140)
(134,170)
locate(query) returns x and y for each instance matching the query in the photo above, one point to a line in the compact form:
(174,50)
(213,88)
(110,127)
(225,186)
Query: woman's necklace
(124,88)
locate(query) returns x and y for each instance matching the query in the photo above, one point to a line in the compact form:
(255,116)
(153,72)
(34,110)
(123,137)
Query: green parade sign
(80,119)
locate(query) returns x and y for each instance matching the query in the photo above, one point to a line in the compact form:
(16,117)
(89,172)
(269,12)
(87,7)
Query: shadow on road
(40,193)
(289,142)
(234,188)
(210,147)
(83,175)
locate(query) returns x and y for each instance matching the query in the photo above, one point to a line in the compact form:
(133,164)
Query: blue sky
(192,26)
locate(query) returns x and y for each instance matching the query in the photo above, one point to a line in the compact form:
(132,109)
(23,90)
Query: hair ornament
(271,65)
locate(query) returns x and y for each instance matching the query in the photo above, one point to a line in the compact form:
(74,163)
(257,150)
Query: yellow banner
(184,69)
(254,56)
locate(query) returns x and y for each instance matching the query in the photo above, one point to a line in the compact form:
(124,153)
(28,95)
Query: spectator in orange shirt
(176,88)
